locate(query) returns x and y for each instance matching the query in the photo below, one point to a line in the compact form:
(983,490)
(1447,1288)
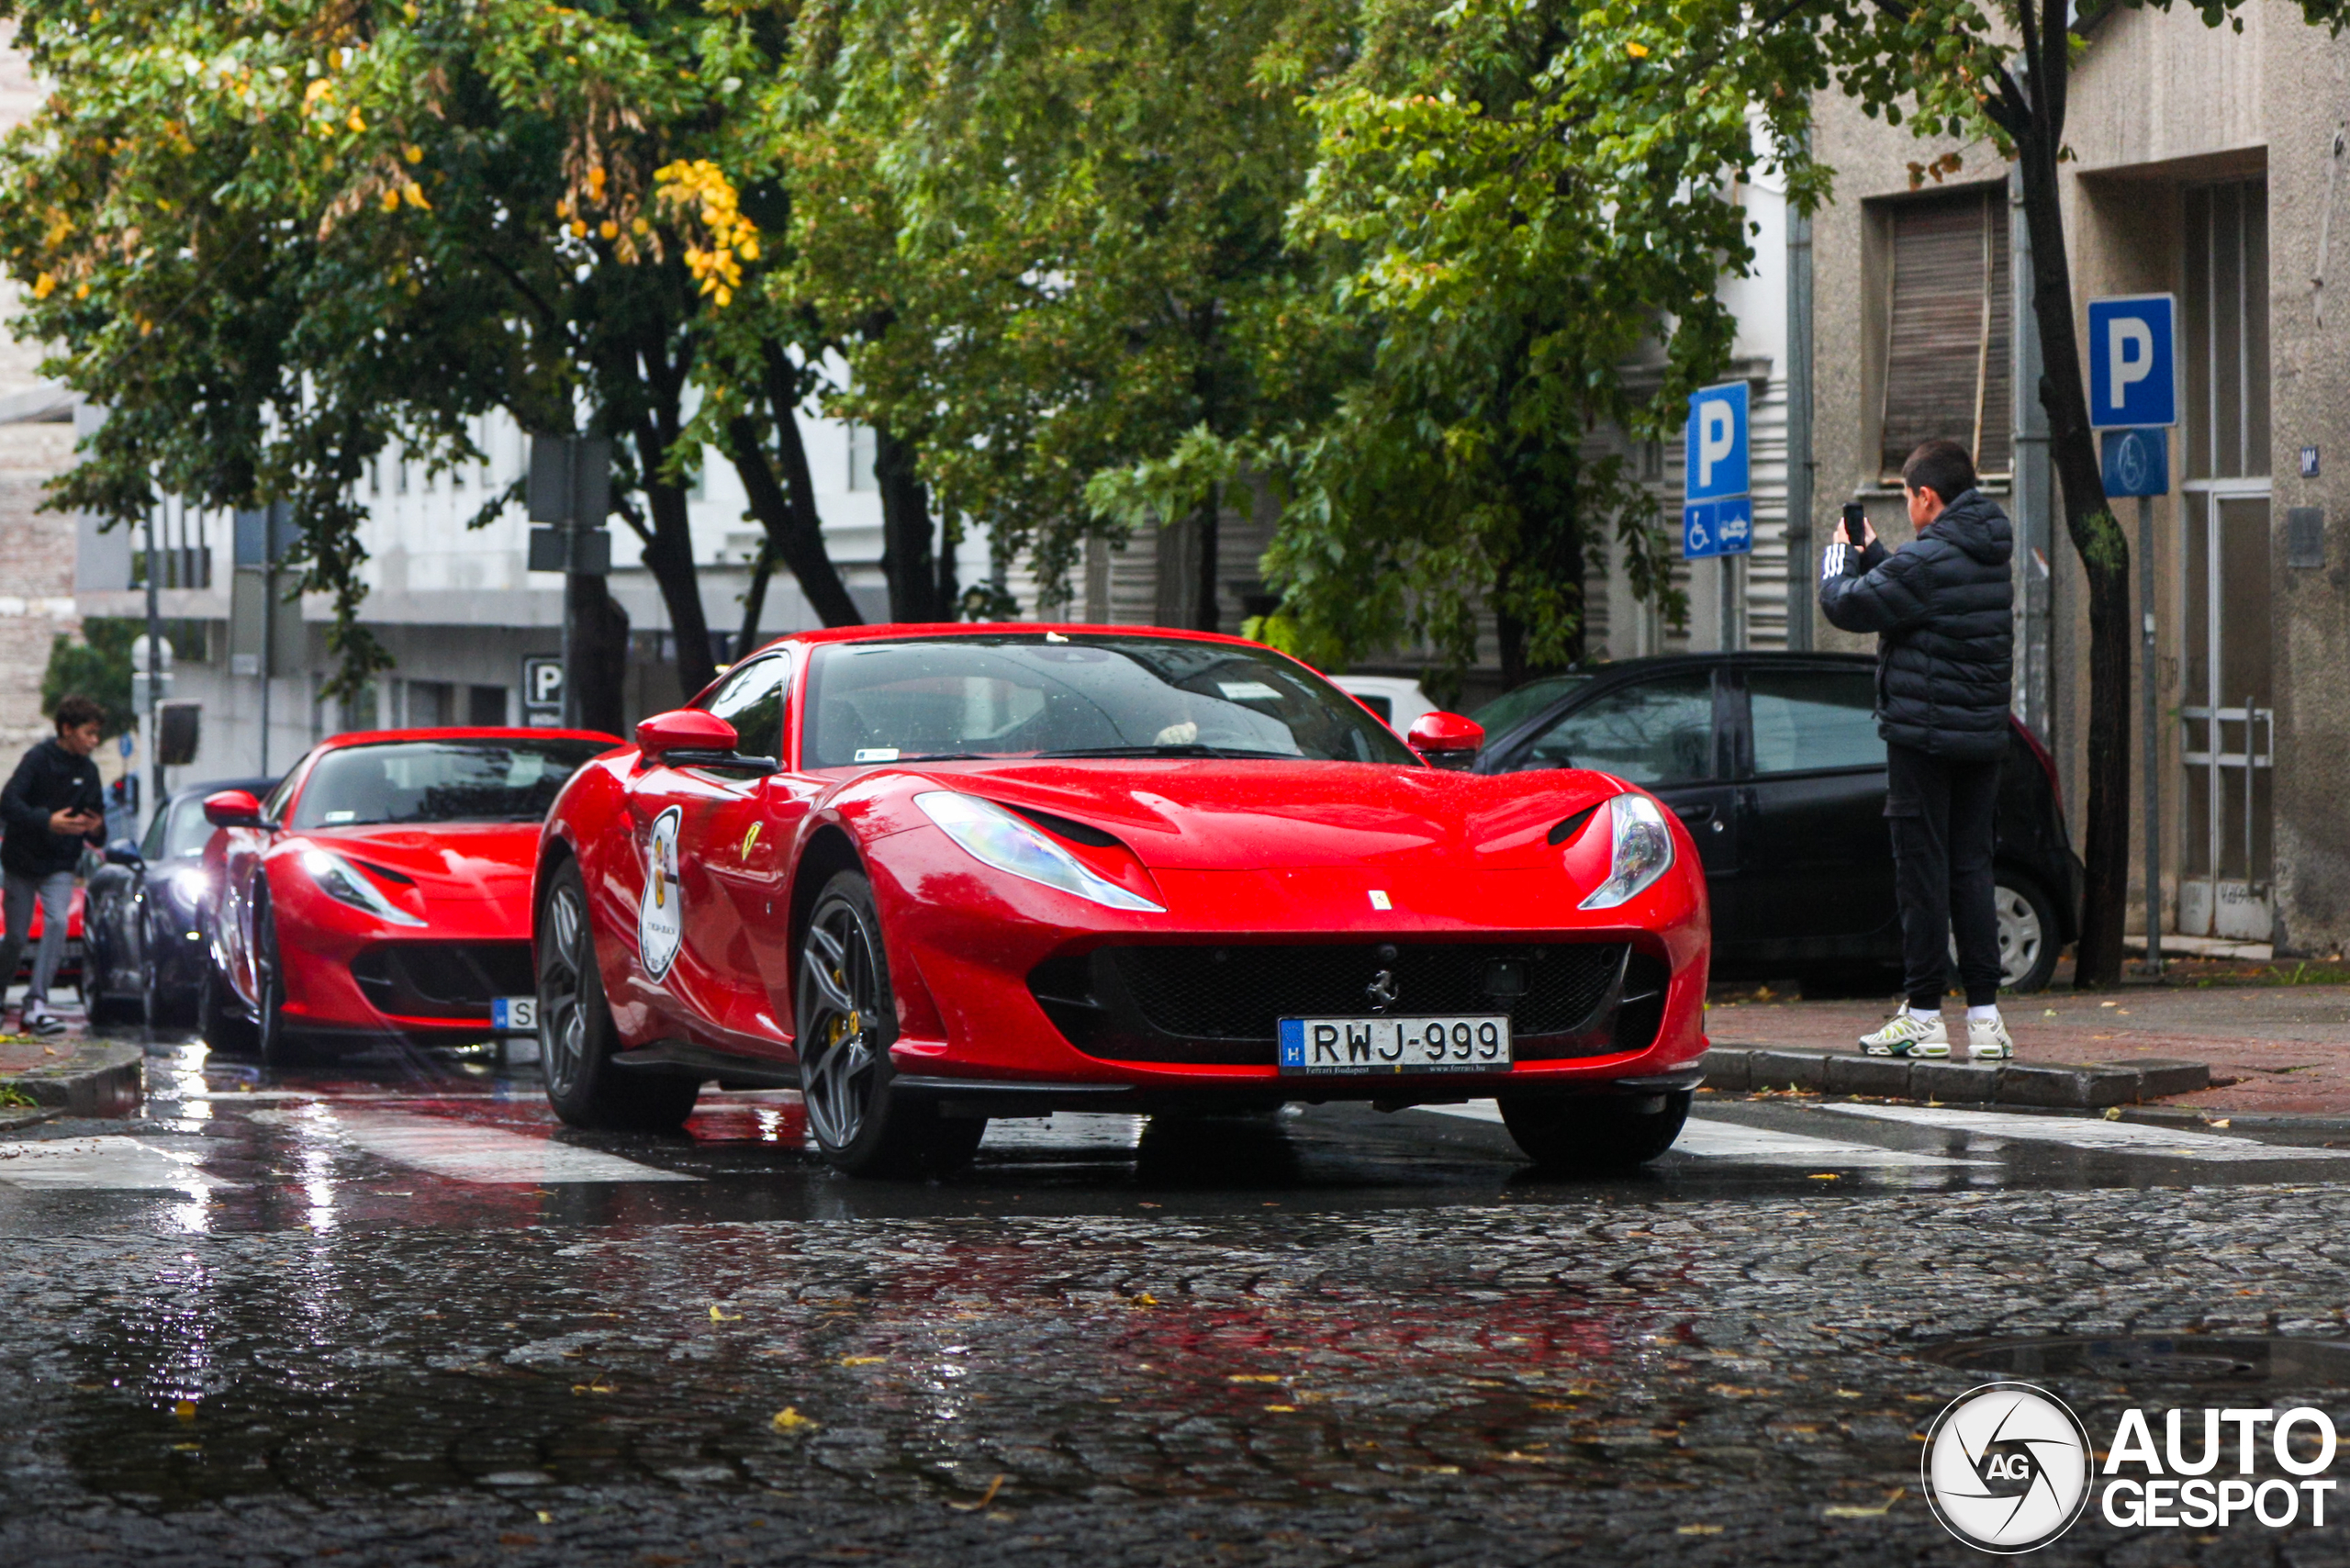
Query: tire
(105,1012)
(276,1042)
(576,1037)
(2029,943)
(847,1017)
(1600,1135)
(222,1028)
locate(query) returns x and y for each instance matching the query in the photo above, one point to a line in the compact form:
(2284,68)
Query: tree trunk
(599,654)
(754,603)
(794,532)
(2097,537)
(907,560)
(670,558)
(1208,521)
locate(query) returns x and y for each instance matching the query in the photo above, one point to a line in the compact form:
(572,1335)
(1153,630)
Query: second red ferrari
(383,890)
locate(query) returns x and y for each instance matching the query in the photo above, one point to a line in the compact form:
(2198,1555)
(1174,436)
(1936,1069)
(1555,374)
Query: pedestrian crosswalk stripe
(1708,1139)
(466,1152)
(2100,1137)
(110,1163)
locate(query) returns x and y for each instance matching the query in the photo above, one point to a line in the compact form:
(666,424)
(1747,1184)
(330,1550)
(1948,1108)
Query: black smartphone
(1856,518)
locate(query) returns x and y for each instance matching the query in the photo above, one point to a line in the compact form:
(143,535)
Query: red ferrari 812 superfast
(935,874)
(383,890)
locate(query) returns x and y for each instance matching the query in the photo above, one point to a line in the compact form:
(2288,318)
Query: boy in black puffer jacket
(53,805)
(1944,608)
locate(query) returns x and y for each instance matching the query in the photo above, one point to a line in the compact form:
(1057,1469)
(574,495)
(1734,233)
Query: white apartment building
(455,607)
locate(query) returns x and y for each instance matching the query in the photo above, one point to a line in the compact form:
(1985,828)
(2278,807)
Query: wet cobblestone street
(1639,1372)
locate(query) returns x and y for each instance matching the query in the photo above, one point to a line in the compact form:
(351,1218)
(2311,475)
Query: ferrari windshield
(1051,696)
(437,781)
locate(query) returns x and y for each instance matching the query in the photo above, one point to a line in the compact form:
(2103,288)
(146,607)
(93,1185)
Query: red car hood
(1216,815)
(448,861)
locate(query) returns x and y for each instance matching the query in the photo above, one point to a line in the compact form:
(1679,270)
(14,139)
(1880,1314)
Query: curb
(2092,1086)
(94,1078)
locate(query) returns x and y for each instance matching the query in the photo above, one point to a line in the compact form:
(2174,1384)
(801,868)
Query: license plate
(1469,1043)
(514,1014)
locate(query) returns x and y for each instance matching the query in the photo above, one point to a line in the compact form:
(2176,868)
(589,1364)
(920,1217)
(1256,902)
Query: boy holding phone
(53,804)
(1943,610)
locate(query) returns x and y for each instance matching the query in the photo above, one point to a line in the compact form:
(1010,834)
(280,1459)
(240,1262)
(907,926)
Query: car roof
(251,786)
(461,732)
(891,631)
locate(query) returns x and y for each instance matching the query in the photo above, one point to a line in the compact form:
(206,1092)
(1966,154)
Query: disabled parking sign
(1718,505)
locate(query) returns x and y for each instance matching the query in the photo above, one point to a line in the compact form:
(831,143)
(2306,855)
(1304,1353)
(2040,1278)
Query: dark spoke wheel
(562,1025)
(847,1017)
(578,1039)
(837,1064)
(278,1045)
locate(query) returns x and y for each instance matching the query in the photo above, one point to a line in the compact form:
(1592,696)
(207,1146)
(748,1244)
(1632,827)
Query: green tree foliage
(1069,220)
(272,236)
(95,664)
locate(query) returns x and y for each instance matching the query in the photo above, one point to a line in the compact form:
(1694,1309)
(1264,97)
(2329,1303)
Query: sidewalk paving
(2273,1045)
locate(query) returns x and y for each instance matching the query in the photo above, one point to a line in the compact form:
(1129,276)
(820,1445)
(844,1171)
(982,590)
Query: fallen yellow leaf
(788,1419)
(1283,1409)
(861,1360)
(184,1409)
(1857,1511)
(717,1317)
(993,1487)
(1255,1377)
(1699,1530)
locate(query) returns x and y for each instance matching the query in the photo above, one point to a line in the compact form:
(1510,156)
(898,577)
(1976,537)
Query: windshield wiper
(1189,748)
(949,757)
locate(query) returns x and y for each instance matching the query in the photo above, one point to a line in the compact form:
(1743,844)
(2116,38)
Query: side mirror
(683,728)
(1447,740)
(234,807)
(124,852)
(688,737)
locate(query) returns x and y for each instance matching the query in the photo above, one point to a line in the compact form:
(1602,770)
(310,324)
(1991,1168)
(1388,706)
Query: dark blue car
(143,921)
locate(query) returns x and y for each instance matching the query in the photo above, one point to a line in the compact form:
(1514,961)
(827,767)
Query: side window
(1806,721)
(752,700)
(1657,731)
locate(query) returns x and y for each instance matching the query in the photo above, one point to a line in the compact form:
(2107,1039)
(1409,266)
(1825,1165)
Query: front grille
(1239,993)
(1222,1004)
(442,979)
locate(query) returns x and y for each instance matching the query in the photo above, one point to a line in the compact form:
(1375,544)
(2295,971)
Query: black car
(1774,763)
(143,921)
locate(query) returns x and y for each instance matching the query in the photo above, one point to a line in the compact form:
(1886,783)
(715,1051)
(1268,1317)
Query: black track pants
(1940,815)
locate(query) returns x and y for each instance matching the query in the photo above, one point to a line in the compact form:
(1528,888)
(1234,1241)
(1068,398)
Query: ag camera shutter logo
(2006,1468)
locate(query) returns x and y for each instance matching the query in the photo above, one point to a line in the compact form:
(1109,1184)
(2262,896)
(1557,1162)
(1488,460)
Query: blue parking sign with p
(2133,361)
(1717,443)
(1717,510)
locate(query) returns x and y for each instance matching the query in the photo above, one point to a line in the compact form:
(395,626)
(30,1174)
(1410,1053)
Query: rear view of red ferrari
(933,875)
(383,890)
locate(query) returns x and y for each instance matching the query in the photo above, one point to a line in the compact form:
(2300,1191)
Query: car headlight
(1643,851)
(191,882)
(994,836)
(343,882)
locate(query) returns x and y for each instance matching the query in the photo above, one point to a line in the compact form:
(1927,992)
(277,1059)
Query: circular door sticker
(661,914)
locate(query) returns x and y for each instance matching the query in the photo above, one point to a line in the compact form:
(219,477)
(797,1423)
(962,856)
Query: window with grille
(1949,329)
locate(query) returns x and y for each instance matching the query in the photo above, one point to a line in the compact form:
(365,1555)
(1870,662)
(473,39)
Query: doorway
(2227,717)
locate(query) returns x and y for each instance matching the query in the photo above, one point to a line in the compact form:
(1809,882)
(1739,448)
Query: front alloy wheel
(847,1018)
(576,1035)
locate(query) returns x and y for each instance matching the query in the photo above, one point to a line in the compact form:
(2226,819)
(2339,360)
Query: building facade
(2206,164)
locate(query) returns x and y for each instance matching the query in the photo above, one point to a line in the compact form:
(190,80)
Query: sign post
(2133,401)
(1717,501)
(571,490)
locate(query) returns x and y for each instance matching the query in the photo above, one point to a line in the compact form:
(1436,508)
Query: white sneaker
(1988,1039)
(1907,1035)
